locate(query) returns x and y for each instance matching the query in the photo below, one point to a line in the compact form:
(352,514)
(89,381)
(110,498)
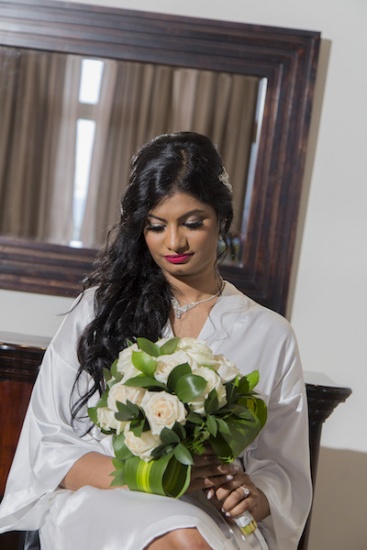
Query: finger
(239,500)
(203,483)
(207,458)
(223,472)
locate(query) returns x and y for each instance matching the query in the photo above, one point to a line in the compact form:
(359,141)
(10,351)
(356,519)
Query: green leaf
(261,412)
(169,347)
(231,392)
(249,381)
(162,450)
(102,401)
(194,418)
(114,372)
(242,433)
(169,436)
(138,426)
(143,362)
(142,381)
(183,455)
(212,425)
(179,430)
(222,426)
(92,413)
(221,448)
(176,478)
(107,374)
(148,347)
(242,411)
(128,411)
(121,451)
(118,478)
(190,386)
(118,442)
(146,476)
(212,402)
(176,374)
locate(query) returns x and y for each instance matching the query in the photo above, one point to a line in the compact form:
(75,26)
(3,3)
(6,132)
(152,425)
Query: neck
(193,290)
(179,309)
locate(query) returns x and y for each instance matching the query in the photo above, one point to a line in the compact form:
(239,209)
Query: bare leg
(180,539)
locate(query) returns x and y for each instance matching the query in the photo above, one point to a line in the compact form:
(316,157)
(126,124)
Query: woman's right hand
(208,471)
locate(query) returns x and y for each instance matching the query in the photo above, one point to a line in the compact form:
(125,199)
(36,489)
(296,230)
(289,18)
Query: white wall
(329,305)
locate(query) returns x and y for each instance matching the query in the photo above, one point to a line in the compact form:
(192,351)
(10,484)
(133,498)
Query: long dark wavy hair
(132,297)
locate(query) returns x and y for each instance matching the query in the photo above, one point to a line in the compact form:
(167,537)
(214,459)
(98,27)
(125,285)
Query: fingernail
(227,514)
(229,477)
(209,494)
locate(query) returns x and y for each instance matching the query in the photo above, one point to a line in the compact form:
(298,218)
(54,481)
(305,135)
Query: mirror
(70,125)
(280,64)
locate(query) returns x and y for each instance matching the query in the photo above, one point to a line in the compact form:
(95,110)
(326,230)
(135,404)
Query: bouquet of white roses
(166,401)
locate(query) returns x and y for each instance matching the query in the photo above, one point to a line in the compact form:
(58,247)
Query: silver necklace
(179,310)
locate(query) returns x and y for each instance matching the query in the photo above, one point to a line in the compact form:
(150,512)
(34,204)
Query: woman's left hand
(240,494)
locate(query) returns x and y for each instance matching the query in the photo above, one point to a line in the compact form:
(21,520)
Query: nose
(175,239)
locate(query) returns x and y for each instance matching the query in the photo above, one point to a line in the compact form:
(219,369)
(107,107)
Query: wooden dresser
(20,357)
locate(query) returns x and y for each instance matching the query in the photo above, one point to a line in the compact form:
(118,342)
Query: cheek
(150,242)
(153,244)
(208,242)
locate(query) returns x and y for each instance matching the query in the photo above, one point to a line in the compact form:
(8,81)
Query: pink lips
(178,258)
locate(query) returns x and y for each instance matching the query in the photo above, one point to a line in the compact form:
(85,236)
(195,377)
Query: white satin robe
(251,336)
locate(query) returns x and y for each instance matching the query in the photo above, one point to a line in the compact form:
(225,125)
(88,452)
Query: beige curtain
(31,96)
(59,223)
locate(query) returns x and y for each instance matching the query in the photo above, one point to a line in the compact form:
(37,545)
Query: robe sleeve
(279,462)
(48,445)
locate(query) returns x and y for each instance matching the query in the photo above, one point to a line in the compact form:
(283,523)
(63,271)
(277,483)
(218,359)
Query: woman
(158,277)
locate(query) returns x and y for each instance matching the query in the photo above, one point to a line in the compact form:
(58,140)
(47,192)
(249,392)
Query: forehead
(179,204)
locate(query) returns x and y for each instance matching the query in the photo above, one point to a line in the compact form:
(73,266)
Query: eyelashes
(155,228)
(192,226)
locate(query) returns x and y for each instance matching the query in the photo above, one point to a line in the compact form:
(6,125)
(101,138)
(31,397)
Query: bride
(158,277)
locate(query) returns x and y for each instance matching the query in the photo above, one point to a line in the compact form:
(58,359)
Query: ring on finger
(246,491)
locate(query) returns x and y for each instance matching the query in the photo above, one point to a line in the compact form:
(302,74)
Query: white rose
(226,369)
(107,421)
(162,410)
(141,446)
(166,363)
(121,393)
(198,351)
(213,382)
(125,365)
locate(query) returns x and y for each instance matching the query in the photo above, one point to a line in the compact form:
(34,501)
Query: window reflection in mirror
(70,126)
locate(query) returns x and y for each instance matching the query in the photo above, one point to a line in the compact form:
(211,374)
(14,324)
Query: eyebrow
(186,215)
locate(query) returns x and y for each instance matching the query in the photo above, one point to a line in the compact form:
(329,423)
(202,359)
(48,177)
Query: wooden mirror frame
(286,57)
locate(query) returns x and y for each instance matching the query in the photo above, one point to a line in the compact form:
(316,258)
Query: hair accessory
(224,178)
(246,490)
(179,310)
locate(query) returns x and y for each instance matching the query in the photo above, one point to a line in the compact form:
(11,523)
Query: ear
(223,227)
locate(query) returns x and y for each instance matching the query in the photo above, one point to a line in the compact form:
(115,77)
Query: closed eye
(154,228)
(194,224)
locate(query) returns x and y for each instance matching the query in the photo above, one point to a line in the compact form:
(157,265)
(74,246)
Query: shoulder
(250,314)
(81,313)
(256,337)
